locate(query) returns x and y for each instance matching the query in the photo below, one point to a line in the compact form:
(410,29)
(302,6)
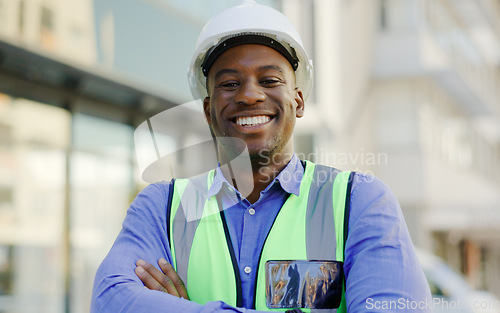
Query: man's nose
(250,93)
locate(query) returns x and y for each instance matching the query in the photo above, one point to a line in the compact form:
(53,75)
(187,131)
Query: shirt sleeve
(382,271)
(117,289)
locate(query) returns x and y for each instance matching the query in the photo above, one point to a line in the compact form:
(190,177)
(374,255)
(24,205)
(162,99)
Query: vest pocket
(303,284)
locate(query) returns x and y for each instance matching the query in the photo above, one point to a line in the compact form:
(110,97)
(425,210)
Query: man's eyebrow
(261,68)
(271,67)
(225,71)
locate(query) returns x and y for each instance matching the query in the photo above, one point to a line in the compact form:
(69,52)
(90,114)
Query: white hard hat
(246,23)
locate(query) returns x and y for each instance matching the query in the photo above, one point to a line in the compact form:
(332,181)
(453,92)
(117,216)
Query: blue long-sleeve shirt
(381,268)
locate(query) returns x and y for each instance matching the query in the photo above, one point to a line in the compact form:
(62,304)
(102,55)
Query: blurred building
(35,144)
(76,79)
(411,88)
(404,89)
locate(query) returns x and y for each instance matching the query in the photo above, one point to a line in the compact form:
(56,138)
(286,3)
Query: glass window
(204,10)
(32,204)
(383,14)
(21,17)
(304,146)
(155,49)
(101,188)
(3,15)
(47,38)
(47,19)
(6,272)
(61,204)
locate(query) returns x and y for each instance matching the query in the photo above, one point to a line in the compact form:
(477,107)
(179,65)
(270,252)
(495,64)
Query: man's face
(252,96)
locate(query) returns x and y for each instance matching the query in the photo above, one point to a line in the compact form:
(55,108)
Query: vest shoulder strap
(169,207)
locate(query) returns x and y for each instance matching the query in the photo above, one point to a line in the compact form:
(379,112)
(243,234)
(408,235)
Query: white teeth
(252,120)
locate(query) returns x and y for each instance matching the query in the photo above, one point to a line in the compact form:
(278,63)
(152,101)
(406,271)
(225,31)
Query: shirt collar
(289,178)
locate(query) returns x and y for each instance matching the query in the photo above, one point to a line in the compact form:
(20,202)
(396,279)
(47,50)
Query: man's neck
(262,172)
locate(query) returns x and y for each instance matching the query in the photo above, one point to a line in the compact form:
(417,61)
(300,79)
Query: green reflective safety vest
(312,226)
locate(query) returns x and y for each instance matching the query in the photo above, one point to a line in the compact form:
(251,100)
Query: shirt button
(251,211)
(247,269)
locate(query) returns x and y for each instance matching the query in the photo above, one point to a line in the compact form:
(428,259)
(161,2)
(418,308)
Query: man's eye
(229,85)
(270,82)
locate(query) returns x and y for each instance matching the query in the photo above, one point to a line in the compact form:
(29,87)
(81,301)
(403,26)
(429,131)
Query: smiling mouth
(249,121)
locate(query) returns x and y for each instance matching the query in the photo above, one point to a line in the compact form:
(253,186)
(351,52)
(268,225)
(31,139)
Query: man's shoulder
(155,191)
(371,197)
(369,183)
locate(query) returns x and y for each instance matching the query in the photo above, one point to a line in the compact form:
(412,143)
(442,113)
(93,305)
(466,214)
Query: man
(235,255)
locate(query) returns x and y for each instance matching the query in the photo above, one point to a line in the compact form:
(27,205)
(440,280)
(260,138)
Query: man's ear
(206,109)
(299,101)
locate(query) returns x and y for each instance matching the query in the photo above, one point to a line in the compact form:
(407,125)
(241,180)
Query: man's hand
(167,281)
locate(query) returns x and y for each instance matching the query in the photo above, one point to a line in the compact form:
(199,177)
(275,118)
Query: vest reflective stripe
(340,186)
(180,185)
(303,230)
(188,204)
(215,279)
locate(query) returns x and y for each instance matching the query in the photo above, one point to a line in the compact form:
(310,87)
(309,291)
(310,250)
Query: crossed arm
(121,277)
(165,280)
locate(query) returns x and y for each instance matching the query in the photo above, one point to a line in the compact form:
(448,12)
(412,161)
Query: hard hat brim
(244,39)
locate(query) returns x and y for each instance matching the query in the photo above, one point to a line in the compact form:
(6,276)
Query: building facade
(411,89)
